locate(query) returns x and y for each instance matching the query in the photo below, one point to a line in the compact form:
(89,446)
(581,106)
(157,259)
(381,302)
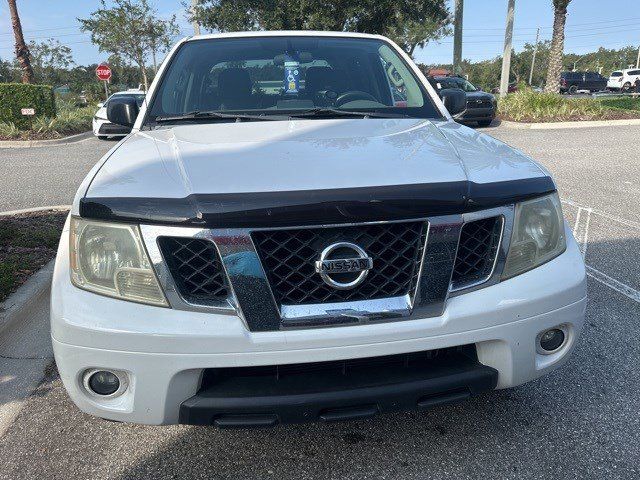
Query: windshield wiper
(336,112)
(198,115)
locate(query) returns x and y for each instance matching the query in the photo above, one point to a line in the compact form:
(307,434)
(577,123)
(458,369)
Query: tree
(48,59)
(22,51)
(411,23)
(557,46)
(124,74)
(130,29)
(161,34)
(410,31)
(7,72)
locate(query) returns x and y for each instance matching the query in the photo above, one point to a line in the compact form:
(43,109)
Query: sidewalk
(79,137)
(557,125)
(25,345)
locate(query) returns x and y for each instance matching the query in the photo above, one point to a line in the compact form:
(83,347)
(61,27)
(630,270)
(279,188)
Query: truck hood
(238,173)
(479,95)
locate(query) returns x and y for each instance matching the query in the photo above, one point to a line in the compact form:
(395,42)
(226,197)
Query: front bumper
(104,128)
(331,391)
(478,114)
(164,352)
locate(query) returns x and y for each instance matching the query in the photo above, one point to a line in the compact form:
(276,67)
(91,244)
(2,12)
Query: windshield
(616,74)
(138,96)
(455,82)
(284,74)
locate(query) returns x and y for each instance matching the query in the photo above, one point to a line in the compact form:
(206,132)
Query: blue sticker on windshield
(291,77)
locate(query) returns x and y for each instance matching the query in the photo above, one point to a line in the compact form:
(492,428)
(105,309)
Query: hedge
(15,96)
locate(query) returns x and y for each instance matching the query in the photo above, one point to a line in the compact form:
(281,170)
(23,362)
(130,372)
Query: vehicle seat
(234,87)
(210,99)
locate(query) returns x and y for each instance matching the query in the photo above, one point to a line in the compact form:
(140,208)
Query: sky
(589,26)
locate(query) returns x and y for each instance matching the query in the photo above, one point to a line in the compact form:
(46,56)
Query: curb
(560,125)
(20,302)
(54,208)
(45,143)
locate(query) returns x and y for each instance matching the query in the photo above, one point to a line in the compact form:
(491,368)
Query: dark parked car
(571,82)
(481,106)
(511,88)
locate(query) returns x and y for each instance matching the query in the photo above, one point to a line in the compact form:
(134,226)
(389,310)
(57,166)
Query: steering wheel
(353,95)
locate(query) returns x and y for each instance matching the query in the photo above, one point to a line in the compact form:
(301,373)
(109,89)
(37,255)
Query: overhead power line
(569,26)
(42,30)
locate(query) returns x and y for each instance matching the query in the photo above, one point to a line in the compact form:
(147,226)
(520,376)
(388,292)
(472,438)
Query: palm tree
(22,52)
(557,46)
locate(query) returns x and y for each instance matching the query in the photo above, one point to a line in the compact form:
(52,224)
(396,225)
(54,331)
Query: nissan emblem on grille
(343,265)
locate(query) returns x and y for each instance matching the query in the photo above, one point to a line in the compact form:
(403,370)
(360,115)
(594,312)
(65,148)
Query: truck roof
(282,33)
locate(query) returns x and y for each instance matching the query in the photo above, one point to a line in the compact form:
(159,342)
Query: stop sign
(103,72)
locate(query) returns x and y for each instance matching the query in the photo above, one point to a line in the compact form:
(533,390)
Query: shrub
(68,120)
(9,130)
(621,103)
(15,96)
(529,106)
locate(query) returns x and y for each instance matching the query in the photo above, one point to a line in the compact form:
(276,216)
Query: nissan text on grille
(295,230)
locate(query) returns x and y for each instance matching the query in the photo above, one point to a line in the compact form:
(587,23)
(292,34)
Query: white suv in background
(103,128)
(623,80)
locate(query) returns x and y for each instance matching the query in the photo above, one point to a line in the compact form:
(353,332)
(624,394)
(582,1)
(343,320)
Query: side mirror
(122,110)
(454,99)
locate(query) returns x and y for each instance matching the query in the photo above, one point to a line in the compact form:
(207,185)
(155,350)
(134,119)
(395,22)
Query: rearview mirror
(122,110)
(454,99)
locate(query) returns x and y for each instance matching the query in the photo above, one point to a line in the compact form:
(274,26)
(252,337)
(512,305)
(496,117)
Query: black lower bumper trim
(113,129)
(334,391)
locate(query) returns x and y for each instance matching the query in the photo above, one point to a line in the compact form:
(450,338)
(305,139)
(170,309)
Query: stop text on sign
(103,72)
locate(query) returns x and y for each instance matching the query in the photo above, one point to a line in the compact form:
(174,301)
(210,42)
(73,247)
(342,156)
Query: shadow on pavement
(495,123)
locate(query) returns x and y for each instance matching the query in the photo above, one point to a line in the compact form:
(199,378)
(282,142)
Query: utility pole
(533,60)
(457,36)
(506,56)
(196,25)
(638,59)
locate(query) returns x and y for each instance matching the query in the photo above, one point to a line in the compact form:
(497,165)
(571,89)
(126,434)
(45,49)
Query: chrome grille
(477,250)
(288,257)
(196,268)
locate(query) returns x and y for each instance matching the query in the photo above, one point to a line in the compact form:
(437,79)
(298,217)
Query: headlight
(110,258)
(538,235)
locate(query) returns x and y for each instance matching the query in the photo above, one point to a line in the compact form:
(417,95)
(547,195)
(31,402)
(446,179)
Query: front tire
(626,88)
(484,123)
(102,137)
(572,90)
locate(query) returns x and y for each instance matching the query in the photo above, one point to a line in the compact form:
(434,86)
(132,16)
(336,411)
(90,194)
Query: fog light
(103,382)
(551,340)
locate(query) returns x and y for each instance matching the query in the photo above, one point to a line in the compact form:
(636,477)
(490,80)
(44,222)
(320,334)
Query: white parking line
(581,229)
(581,232)
(615,218)
(611,282)
(585,237)
(575,227)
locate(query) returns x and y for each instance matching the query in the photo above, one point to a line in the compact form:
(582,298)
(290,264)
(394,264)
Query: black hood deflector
(315,207)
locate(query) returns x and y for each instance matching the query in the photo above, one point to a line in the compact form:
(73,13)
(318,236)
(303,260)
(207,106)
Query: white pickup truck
(297,230)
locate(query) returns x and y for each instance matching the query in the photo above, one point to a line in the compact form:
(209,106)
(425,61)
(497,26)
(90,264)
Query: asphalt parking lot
(44,176)
(582,421)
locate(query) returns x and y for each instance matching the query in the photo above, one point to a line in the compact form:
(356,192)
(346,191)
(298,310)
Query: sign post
(28,112)
(103,72)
